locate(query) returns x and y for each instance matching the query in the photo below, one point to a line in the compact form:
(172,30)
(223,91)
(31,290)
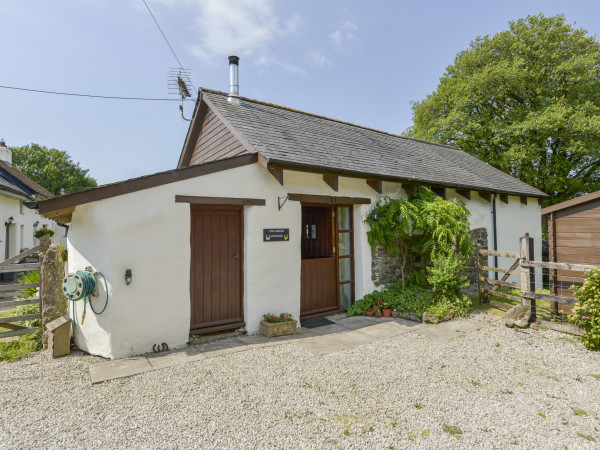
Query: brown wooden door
(216,272)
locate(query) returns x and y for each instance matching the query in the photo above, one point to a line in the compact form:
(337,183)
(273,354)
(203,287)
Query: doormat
(314,323)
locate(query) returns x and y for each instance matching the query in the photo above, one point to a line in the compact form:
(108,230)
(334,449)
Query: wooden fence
(524,267)
(10,266)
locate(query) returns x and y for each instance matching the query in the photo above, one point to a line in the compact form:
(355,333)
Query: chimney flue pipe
(234,86)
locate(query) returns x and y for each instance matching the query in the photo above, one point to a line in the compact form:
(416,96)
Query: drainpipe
(495,232)
(7,225)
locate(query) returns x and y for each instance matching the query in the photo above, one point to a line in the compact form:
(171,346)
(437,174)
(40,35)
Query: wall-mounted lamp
(36,223)
(374,215)
(9,221)
(128,276)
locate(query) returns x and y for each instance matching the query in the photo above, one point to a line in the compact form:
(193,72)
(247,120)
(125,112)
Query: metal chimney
(234,87)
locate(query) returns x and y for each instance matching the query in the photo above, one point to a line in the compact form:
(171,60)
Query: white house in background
(19,222)
(264,214)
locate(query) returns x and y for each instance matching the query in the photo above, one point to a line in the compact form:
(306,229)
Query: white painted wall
(148,232)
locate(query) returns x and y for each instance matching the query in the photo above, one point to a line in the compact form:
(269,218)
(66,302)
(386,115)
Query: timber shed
(263,214)
(573,237)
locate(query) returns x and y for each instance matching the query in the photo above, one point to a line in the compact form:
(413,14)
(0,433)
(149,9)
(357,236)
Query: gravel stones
(490,383)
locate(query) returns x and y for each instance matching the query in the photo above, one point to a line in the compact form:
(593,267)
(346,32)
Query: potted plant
(395,313)
(386,309)
(378,313)
(369,312)
(274,325)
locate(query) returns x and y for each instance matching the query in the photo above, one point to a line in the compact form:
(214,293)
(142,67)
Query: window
(310,231)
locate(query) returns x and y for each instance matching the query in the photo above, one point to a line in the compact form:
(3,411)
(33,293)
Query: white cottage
(264,214)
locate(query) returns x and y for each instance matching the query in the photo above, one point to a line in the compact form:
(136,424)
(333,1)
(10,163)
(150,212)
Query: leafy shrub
(460,307)
(273,318)
(32,276)
(43,232)
(447,276)
(586,312)
(360,306)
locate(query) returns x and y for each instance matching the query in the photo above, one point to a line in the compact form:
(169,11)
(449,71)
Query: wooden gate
(216,268)
(9,266)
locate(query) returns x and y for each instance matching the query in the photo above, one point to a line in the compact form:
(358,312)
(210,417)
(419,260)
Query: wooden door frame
(337,253)
(228,326)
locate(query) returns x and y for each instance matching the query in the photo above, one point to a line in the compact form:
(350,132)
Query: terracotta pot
(387,312)
(369,313)
(395,314)
(378,314)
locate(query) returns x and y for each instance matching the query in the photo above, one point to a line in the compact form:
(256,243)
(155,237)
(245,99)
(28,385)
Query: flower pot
(387,312)
(269,329)
(378,314)
(395,314)
(369,313)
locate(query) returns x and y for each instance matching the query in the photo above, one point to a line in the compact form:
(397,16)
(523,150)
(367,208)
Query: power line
(92,96)
(166,40)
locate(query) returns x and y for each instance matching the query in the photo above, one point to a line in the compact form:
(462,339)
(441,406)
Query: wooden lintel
(410,188)
(504,198)
(278,174)
(218,200)
(486,196)
(329,200)
(376,185)
(331,180)
(540,201)
(466,193)
(441,191)
(523,200)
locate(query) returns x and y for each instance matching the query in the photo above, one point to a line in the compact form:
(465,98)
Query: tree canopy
(526,101)
(51,168)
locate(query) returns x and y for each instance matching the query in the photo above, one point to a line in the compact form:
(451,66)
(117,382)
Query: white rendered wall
(148,232)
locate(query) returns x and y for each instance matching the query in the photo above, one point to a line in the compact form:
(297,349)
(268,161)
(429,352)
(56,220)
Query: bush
(43,232)
(446,277)
(586,312)
(32,276)
(273,318)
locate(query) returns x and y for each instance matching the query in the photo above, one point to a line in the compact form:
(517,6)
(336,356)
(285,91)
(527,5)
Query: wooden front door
(216,272)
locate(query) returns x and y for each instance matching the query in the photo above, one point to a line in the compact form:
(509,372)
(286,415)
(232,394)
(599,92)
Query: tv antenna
(179,84)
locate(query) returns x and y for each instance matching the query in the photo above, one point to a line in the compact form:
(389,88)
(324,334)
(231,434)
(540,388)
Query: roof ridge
(286,108)
(24,180)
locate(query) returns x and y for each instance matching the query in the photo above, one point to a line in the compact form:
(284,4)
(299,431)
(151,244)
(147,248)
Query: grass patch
(579,412)
(475,383)
(419,406)
(452,430)
(20,347)
(595,375)
(587,437)
(542,415)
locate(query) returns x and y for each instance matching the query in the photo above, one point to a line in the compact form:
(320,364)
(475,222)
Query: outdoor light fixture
(374,215)
(128,276)
(9,221)
(36,223)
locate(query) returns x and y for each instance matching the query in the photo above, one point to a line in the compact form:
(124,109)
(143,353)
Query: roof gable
(293,139)
(16,181)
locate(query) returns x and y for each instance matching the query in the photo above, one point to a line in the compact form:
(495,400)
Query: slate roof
(290,137)
(17,182)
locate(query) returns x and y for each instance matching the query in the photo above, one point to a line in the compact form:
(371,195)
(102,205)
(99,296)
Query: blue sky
(358,61)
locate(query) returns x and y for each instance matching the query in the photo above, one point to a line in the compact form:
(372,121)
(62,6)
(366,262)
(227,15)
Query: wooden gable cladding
(214,141)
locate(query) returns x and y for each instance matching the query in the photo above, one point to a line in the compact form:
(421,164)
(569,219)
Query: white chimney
(5,153)
(234,86)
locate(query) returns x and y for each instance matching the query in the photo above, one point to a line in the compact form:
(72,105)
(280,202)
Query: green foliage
(43,232)
(274,318)
(413,298)
(21,347)
(586,312)
(460,306)
(51,168)
(446,276)
(526,101)
(33,276)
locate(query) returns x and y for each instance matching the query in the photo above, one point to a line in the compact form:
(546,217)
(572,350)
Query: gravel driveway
(495,386)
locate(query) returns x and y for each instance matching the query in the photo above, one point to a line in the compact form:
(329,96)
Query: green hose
(89,287)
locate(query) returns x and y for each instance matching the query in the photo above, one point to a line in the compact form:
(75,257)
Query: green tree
(526,101)
(51,168)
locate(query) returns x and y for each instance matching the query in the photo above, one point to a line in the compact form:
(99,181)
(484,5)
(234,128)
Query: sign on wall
(276,234)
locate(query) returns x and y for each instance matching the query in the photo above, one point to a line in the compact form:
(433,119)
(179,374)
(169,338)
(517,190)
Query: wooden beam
(503,295)
(441,191)
(559,266)
(540,201)
(376,185)
(20,318)
(523,200)
(410,188)
(277,173)
(8,268)
(18,332)
(332,181)
(21,256)
(486,196)
(504,198)
(466,193)
(500,253)
(502,283)
(219,200)
(549,298)
(329,200)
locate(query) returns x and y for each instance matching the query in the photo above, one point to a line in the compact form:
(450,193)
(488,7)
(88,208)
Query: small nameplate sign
(276,234)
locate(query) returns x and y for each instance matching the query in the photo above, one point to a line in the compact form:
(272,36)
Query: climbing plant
(425,224)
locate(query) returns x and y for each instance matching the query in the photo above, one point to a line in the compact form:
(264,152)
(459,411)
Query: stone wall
(386,268)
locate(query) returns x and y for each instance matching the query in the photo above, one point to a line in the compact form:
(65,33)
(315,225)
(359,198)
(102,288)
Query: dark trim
(332,181)
(212,329)
(141,183)
(466,193)
(495,229)
(485,196)
(441,191)
(410,188)
(278,174)
(504,198)
(376,185)
(573,202)
(194,200)
(193,133)
(329,200)
(524,200)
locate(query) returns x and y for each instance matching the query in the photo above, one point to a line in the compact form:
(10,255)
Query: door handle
(237,256)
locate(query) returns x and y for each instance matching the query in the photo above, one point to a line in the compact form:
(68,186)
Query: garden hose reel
(82,285)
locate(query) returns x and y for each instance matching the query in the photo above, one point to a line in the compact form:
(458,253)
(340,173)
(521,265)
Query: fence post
(527,274)
(480,277)
(53,302)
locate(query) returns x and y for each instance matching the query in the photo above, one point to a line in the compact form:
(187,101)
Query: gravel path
(497,386)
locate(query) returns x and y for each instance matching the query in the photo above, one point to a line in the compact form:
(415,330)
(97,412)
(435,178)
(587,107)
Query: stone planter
(269,329)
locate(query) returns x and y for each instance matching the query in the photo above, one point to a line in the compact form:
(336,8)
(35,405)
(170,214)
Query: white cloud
(318,59)
(238,27)
(344,35)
